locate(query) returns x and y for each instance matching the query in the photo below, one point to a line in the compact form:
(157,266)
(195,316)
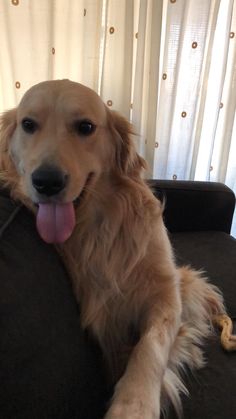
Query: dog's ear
(127,160)
(7,127)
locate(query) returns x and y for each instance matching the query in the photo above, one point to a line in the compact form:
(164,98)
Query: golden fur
(149,316)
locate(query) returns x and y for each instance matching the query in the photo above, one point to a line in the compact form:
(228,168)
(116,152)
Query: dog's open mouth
(56,221)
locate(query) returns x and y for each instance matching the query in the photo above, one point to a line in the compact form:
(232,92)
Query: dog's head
(59,140)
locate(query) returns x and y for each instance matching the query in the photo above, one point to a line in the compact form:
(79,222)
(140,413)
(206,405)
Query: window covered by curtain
(168,65)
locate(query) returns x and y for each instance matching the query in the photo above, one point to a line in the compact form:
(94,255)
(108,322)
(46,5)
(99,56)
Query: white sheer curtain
(48,39)
(169,65)
(195,129)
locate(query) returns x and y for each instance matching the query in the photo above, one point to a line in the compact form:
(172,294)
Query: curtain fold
(146,77)
(118,52)
(215,85)
(187,26)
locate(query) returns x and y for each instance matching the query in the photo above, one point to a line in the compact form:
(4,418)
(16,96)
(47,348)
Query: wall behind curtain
(168,65)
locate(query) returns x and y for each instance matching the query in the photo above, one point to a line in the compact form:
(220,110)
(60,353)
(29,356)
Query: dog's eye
(84,127)
(29,126)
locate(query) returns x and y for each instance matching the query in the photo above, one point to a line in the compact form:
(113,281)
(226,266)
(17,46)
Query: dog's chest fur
(108,245)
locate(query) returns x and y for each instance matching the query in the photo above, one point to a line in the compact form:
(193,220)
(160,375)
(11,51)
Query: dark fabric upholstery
(195,206)
(215,253)
(48,367)
(199,216)
(211,389)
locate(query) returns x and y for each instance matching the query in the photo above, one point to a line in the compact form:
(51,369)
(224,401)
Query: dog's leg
(137,394)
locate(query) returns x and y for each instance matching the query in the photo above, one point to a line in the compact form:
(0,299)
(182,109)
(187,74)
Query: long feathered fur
(149,316)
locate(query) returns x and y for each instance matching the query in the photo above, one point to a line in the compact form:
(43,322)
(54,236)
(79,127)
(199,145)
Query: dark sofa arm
(195,206)
(50,368)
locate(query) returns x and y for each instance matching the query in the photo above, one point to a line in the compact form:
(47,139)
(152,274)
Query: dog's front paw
(130,409)
(135,397)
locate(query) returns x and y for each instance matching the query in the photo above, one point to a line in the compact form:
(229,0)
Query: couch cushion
(214,252)
(211,389)
(48,367)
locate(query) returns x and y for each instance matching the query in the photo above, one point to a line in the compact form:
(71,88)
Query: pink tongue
(55,222)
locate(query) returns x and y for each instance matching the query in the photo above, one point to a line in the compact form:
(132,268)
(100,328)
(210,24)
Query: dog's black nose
(48,180)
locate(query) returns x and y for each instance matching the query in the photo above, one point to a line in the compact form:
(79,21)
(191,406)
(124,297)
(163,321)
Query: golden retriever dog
(70,159)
